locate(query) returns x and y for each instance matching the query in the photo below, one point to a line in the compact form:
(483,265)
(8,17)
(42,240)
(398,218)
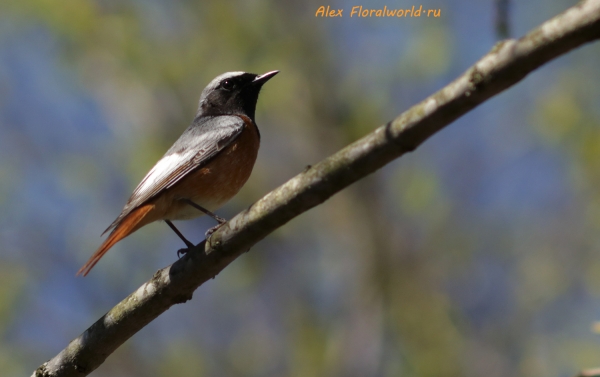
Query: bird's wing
(202,141)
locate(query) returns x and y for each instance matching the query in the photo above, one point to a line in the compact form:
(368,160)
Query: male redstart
(205,167)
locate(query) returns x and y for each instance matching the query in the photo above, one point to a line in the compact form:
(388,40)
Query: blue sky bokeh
(475,254)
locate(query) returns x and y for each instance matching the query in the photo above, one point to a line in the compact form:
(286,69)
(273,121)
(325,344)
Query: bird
(205,167)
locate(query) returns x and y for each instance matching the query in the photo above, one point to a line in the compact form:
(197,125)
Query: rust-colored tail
(128,225)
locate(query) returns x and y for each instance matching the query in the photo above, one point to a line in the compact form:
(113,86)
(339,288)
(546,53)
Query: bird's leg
(218,219)
(185,240)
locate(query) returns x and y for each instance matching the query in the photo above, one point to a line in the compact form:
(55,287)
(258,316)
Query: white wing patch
(163,168)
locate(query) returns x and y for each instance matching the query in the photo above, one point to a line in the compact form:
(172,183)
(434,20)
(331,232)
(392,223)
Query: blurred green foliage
(467,258)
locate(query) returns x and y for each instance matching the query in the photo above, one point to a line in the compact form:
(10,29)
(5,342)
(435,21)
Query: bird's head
(233,93)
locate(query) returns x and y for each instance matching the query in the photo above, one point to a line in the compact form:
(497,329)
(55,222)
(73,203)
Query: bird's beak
(259,80)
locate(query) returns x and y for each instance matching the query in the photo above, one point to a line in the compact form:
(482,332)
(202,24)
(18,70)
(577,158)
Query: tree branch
(506,64)
(595,372)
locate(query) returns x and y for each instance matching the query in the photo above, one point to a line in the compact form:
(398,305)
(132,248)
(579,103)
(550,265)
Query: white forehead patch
(215,82)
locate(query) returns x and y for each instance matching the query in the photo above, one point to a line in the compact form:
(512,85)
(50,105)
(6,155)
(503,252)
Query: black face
(235,93)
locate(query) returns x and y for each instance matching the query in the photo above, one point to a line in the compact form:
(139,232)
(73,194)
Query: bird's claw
(182,252)
(213,229)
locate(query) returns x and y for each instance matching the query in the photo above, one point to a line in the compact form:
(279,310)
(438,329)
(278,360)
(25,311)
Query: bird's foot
(189,245)
(182,252)
(214,228)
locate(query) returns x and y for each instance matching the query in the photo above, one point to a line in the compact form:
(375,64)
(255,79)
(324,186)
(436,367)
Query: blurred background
(476,255)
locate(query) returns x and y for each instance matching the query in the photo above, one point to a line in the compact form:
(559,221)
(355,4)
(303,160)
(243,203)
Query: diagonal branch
(506,64)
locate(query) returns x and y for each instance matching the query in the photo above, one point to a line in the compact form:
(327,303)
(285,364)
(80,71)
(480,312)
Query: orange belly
(214,184)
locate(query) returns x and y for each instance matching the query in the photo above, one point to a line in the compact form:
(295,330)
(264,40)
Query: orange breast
(215,183)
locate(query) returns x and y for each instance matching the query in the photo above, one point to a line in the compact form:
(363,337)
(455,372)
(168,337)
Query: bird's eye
(227,84)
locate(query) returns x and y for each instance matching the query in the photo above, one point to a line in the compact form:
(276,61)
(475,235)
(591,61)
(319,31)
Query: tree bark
(505,65)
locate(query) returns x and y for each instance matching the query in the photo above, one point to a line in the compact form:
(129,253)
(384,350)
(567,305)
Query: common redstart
(207,165)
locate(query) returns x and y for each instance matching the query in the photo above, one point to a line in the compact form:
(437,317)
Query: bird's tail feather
(128,225)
